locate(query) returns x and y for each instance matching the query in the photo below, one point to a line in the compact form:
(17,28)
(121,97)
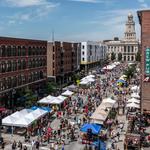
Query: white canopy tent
(133,105)
(84,82)
(20,119)
(62,97)
(133,100)
(8,121)
(67,93)
(109,100)
(23,122)
(135,88)
(135,95)
(47,100)
(97,116)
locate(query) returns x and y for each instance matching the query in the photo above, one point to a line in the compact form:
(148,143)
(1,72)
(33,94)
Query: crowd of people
(77,111)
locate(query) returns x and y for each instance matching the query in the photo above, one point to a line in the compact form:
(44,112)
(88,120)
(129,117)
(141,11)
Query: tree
(120,57)
(51,87)
(138,56)
(30,97)
(76,77)
(113,56)
(129,72)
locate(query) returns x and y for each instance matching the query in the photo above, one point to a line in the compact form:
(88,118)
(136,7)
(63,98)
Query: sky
(69,20)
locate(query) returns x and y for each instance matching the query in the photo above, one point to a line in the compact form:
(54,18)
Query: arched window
(128,58)
(124,58)
(132,58)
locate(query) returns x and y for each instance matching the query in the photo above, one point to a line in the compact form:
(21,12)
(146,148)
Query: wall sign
(147,65)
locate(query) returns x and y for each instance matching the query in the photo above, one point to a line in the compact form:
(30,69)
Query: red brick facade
(22,62)
(144,19)
(62,59)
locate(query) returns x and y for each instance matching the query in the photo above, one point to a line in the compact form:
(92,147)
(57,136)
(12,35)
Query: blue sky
(71,20)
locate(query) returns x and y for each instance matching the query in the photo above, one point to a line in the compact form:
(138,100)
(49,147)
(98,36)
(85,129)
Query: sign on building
(147,65)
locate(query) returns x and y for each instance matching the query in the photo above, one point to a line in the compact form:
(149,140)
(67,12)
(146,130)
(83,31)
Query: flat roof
(22,39)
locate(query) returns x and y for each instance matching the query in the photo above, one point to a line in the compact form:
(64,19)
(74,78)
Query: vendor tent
(67,93)
(98,116)
(135,95)
(107,105)
(94,127)
(23,122)
(133,100)
(133,105)
(109,100)
(84,82)
(8,121)
(62,98)
(135,88)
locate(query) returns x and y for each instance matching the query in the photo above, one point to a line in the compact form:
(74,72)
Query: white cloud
(143,4)
(40,8)
(87,1)
(26,3)
(141,1)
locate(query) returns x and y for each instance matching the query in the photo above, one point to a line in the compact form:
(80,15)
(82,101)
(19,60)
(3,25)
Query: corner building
(144,20)
(23,63)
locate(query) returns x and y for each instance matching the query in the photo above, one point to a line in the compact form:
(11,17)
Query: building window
(128,49)
(82,52)
(128,58)
(82,46)
(132,49)
(125,49)
(124,58)
(83,59)
(132,58)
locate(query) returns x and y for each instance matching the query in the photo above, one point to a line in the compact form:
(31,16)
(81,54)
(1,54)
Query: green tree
(30,97)
(138,56)
(113,56)
(120,57)
(51,87)
(76,77)
(130,71)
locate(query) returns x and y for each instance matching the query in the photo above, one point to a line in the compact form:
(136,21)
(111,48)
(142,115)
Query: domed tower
(130,34)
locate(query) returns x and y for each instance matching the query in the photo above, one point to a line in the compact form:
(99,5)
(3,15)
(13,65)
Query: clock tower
(130,34)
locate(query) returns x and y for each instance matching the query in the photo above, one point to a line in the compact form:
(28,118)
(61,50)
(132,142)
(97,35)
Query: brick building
(63,60)
(144,20)
(23,63)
